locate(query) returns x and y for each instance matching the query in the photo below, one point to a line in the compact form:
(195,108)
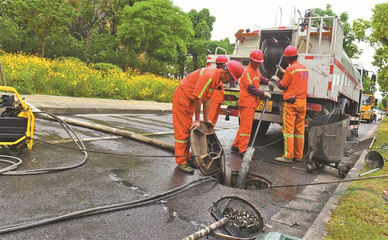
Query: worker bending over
(294,86)
(194,89)
(249,99)
(217,98)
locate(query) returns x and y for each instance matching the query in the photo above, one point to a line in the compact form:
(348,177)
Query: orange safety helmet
(221,59)
(257,56)
(235,68)
(290,51)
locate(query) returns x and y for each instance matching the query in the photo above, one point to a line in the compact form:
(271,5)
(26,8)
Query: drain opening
(253,181)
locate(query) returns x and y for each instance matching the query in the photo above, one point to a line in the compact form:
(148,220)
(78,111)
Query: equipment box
(12,128)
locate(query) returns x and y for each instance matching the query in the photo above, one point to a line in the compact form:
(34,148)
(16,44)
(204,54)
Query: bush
(72,77)
(105,67)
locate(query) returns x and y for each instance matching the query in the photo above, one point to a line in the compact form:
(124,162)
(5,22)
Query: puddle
(172,215)
(114,175)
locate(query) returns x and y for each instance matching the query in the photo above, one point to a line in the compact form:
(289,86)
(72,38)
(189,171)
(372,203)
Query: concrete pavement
(69,105)
(72,105)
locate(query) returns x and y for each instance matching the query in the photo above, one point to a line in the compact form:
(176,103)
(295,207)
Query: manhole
(253,181)
(210,159)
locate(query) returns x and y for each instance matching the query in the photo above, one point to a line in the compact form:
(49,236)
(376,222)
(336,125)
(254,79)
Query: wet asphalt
(120,171)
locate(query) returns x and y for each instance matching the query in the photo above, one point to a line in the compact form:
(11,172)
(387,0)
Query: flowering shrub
(71,77)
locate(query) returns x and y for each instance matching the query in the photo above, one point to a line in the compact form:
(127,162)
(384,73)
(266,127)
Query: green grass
(362,212)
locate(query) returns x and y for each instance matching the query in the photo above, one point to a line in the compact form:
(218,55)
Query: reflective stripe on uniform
(244,134)
(298,70)
(284,118)
(249,78)
(201,72)
(204,88)
(285,130)
(180,141)
(299,136)
(289,135)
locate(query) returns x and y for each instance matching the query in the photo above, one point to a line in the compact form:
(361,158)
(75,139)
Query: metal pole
(208,230)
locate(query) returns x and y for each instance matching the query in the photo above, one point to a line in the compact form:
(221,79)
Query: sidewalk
(73,105)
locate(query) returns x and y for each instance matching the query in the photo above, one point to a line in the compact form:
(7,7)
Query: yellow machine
(17,121)
(368,104)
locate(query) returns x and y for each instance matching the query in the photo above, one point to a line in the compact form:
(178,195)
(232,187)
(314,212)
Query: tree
(222,45)
(203,25)
(43,17)
(349,35)
(379,39)
(384,103)
(12,36)
(366,84)
(156,28)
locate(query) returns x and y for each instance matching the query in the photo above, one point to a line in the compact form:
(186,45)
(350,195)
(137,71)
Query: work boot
(186,168)
(193,162)
(233,148)
(283,159)
(298,159)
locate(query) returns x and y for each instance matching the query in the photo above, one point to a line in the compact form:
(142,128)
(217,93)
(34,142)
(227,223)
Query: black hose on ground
(108,208)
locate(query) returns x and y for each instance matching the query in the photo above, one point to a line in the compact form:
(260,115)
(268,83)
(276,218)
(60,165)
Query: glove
(270,85)
(275,78)
(267,95)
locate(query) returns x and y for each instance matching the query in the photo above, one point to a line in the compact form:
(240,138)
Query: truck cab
(369,102)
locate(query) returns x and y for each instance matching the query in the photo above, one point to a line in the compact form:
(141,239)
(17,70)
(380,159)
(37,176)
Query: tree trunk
(42,48)
(195,61)
(149,64)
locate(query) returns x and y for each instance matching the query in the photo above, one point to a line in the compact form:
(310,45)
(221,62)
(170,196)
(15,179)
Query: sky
(254,14)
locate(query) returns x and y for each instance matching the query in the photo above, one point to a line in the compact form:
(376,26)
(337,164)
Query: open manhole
(209,157)
(253,181)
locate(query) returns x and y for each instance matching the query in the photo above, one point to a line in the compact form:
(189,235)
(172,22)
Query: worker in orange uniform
(294,86)
(249,99)
(217,98)
(194,89)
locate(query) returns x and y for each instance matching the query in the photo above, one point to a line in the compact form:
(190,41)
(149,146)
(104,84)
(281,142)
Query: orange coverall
(198,84)
(216,100)
(247,104)
(294,84)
